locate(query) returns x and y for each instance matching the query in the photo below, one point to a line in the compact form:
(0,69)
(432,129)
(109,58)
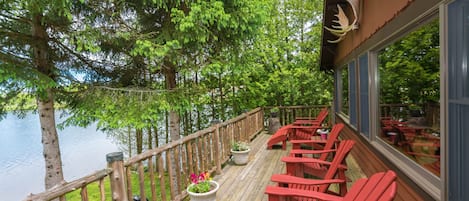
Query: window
(345,99)
(409,94)
(353,93)
(364,97)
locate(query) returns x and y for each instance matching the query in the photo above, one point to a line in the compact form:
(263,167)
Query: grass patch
(93,189)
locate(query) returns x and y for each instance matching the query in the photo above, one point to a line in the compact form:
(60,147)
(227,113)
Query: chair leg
(342,186)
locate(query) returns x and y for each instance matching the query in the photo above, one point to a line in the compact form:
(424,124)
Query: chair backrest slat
(322,115)
(342,151)
(331,139)
(380,186)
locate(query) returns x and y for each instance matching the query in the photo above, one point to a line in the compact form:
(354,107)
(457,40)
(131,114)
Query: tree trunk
(50,142)
(45,103)
(166,115)
(150,139)
(174,130)
(129,134)
(221,111)
(170,75)
(139,139)
(157,140)
(199,121)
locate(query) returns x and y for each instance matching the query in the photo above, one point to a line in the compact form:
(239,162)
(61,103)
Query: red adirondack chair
(380,186)
(304,129)
(312,121)
(328,144)
(281,136)
(287,132)
(297,167)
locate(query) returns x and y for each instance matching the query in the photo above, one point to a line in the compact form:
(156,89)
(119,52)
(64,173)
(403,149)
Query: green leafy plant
(201,183)
(275,109)
(240,146)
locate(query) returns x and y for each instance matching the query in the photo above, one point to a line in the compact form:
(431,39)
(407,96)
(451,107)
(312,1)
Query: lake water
(22,164)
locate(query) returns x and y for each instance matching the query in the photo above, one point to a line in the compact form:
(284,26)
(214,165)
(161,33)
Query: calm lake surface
(22,164)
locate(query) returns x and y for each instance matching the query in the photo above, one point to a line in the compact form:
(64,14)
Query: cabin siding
(372,161)
(373,17)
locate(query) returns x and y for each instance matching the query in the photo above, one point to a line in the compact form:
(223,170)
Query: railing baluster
(171,174)
(177,167)
(161,176)
(200,155)
(101,190)
(141,181)
(184,169)
(190,153)
(84,193)
(216,144)
(128,172)
(151,170)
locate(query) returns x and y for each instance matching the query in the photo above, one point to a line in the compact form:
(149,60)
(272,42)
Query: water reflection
(22,165)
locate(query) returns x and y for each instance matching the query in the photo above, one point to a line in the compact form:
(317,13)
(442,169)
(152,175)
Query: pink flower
(201,182)
(194,178)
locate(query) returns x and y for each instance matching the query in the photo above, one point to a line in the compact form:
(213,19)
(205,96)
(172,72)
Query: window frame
(364,98)
(340,89)
(426,180)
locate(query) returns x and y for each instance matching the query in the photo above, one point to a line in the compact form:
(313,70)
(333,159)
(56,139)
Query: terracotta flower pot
(208,196)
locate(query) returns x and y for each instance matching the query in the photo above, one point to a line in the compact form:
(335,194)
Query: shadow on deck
(248,182)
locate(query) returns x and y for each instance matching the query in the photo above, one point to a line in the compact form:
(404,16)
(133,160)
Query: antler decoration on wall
(344,26)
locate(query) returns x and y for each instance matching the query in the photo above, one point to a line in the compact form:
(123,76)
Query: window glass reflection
(409,87)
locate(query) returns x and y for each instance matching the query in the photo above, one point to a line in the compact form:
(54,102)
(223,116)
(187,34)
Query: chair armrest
(308,141)
(312,126)
(290,159)
(308,151)
(288,179)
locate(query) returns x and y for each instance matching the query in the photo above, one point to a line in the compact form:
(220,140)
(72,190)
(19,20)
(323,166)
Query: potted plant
(240,152)
(323,132)
(274,112)
(202,187)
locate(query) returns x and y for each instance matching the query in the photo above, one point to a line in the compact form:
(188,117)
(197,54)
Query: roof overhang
(328,48)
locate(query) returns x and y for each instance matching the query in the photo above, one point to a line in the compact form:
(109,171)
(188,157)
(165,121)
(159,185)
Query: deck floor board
(248,182)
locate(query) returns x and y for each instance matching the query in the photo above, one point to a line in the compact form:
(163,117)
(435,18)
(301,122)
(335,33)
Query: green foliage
(239,146)
(409,68)
(289,53)
(94,194)
(228,57)
(200,183)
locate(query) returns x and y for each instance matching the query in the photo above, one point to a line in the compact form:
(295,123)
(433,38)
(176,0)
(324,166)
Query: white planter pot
(240,157)
(208,196)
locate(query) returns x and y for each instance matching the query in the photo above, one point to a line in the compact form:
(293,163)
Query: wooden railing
(153,172)
(287,114)
(431,112)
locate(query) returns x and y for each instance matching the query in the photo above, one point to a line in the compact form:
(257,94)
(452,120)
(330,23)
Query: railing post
(217,143)
(245,131)
(115,161)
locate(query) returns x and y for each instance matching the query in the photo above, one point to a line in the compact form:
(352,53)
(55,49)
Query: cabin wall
(372,161)
(373,17)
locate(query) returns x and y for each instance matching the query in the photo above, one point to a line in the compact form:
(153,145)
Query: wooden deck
(248,182)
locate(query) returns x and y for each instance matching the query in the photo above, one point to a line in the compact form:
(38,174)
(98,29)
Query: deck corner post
(115,161)
(216,137)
